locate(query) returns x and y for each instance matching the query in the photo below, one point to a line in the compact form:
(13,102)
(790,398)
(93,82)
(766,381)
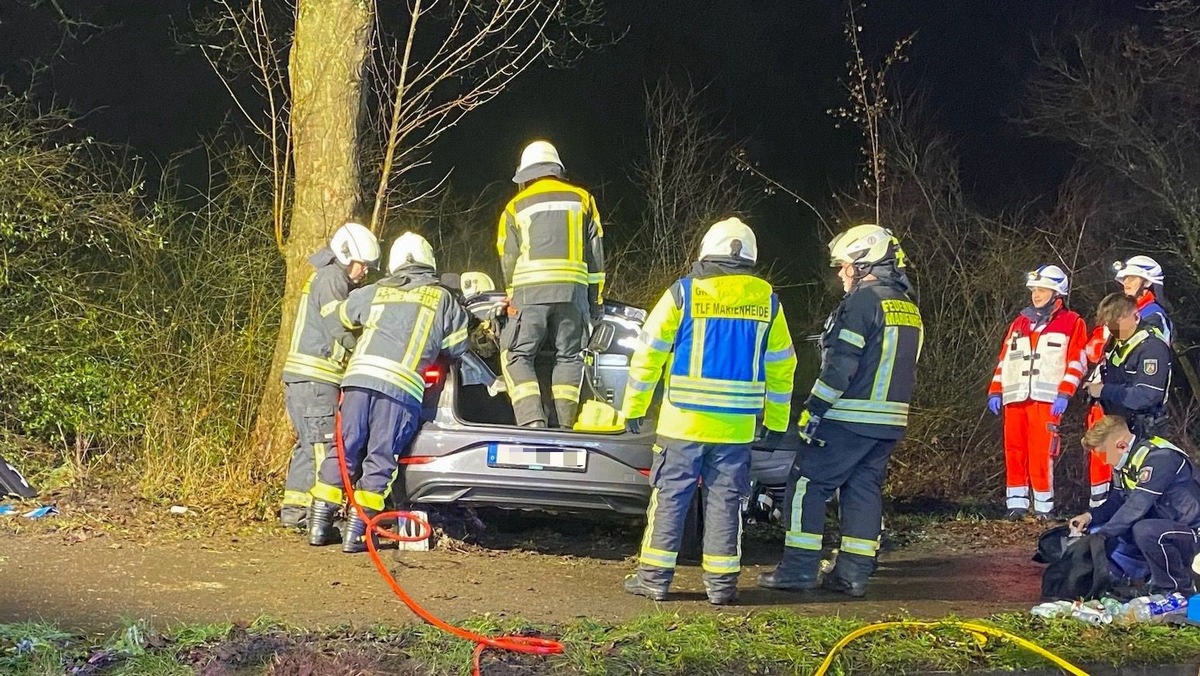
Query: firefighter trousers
(1030,444)
(855,466)
(724,470)
(311,406)
(564,325)
(375,429)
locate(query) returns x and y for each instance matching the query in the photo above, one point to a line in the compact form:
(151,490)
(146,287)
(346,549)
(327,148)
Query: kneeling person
(407,320)
(1153,508)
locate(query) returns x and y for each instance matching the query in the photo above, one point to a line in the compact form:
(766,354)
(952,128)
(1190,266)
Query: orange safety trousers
(1099,471)
(1030,445)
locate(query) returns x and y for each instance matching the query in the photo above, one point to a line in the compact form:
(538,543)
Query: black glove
(596,312)
(634,425)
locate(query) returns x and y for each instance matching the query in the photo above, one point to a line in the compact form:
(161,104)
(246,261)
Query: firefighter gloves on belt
(994,403)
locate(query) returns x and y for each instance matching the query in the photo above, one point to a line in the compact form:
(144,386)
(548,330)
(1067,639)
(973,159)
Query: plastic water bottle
(1168,605)
(1091,612)
(1052,609)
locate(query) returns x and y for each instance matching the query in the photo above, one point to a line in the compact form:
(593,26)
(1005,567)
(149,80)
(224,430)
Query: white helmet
(474,283)
(1048,277)
(410,248)
(1139,266)
(539,159)
(865,244)
(353,242)
(730,238)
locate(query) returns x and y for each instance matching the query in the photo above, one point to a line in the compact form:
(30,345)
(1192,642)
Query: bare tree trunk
(326,71)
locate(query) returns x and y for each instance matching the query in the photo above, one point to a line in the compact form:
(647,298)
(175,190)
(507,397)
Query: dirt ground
(544,570)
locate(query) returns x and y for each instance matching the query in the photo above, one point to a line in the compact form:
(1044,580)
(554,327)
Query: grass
(772,642)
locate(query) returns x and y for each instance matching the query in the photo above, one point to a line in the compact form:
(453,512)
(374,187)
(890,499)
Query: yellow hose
(971,627)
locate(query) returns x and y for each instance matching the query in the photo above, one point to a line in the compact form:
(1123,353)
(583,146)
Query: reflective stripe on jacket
(551,245)
(724,343)
(1039,363)
(320,343)
(407,320)
(869,352)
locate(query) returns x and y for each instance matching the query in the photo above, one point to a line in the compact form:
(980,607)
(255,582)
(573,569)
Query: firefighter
(407,320)
(316,358)
(1136,372)
(722,338)
(1042,361)
(1142,279)
(1153,512)
(856,412)
(552,255)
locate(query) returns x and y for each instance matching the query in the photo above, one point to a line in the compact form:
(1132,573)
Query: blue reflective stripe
(780,355)
(639,386)
(824,392)
(654,343)
(779,397)
(853,338)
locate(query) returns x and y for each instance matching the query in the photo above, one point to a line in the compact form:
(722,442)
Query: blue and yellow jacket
(722,339)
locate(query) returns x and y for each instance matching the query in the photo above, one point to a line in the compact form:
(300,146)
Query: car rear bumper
(454,469)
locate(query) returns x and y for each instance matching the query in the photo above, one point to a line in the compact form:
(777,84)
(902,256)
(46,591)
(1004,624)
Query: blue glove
(634,425)
(1059,406)
(808,424)
(994,403)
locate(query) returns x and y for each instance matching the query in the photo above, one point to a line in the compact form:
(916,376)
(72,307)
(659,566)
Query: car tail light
(644,472)
(417,459)
(433,375)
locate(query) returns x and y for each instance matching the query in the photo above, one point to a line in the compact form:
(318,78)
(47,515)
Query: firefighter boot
(634,585)
(320,524)
(849,576)
(355,541)
(294,516)
(799,570)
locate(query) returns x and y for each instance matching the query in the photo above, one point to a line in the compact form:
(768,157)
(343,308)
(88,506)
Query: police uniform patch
(1150,367)
(1145,474)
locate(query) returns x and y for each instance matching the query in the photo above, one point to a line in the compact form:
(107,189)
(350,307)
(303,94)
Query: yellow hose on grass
(978,630)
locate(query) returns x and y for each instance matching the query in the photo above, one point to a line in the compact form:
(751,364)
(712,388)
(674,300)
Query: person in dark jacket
(317,357)
(855,414)
(1153,509)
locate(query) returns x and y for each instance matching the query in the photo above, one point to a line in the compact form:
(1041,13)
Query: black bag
(12,483)
(1052,544)
(1081,571)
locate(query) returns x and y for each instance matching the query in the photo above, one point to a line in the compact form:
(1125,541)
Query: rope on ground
(978,630)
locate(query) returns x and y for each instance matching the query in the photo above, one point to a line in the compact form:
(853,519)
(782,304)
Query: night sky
(771,68)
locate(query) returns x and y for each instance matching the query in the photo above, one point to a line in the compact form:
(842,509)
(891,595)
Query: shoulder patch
(1145,474)
(1150,367)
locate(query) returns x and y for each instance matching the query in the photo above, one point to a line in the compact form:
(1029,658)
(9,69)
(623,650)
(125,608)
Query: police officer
(722,338)
(855,414)
(1153,510)
(1136,372)
(407,320)
(1142,279)
(316,358)
(552,255)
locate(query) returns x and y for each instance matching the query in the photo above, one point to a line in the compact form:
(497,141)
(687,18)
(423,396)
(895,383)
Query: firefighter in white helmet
(317,357)
(855,414)
(551,251)
(408,320)
(1042,361)
(721,337)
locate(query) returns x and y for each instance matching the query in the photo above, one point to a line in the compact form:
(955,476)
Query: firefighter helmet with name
(864,246)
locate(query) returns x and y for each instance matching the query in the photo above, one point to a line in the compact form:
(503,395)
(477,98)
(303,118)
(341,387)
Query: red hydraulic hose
(530,645)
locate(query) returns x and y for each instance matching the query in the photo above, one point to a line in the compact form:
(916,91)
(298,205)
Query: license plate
(537,457)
